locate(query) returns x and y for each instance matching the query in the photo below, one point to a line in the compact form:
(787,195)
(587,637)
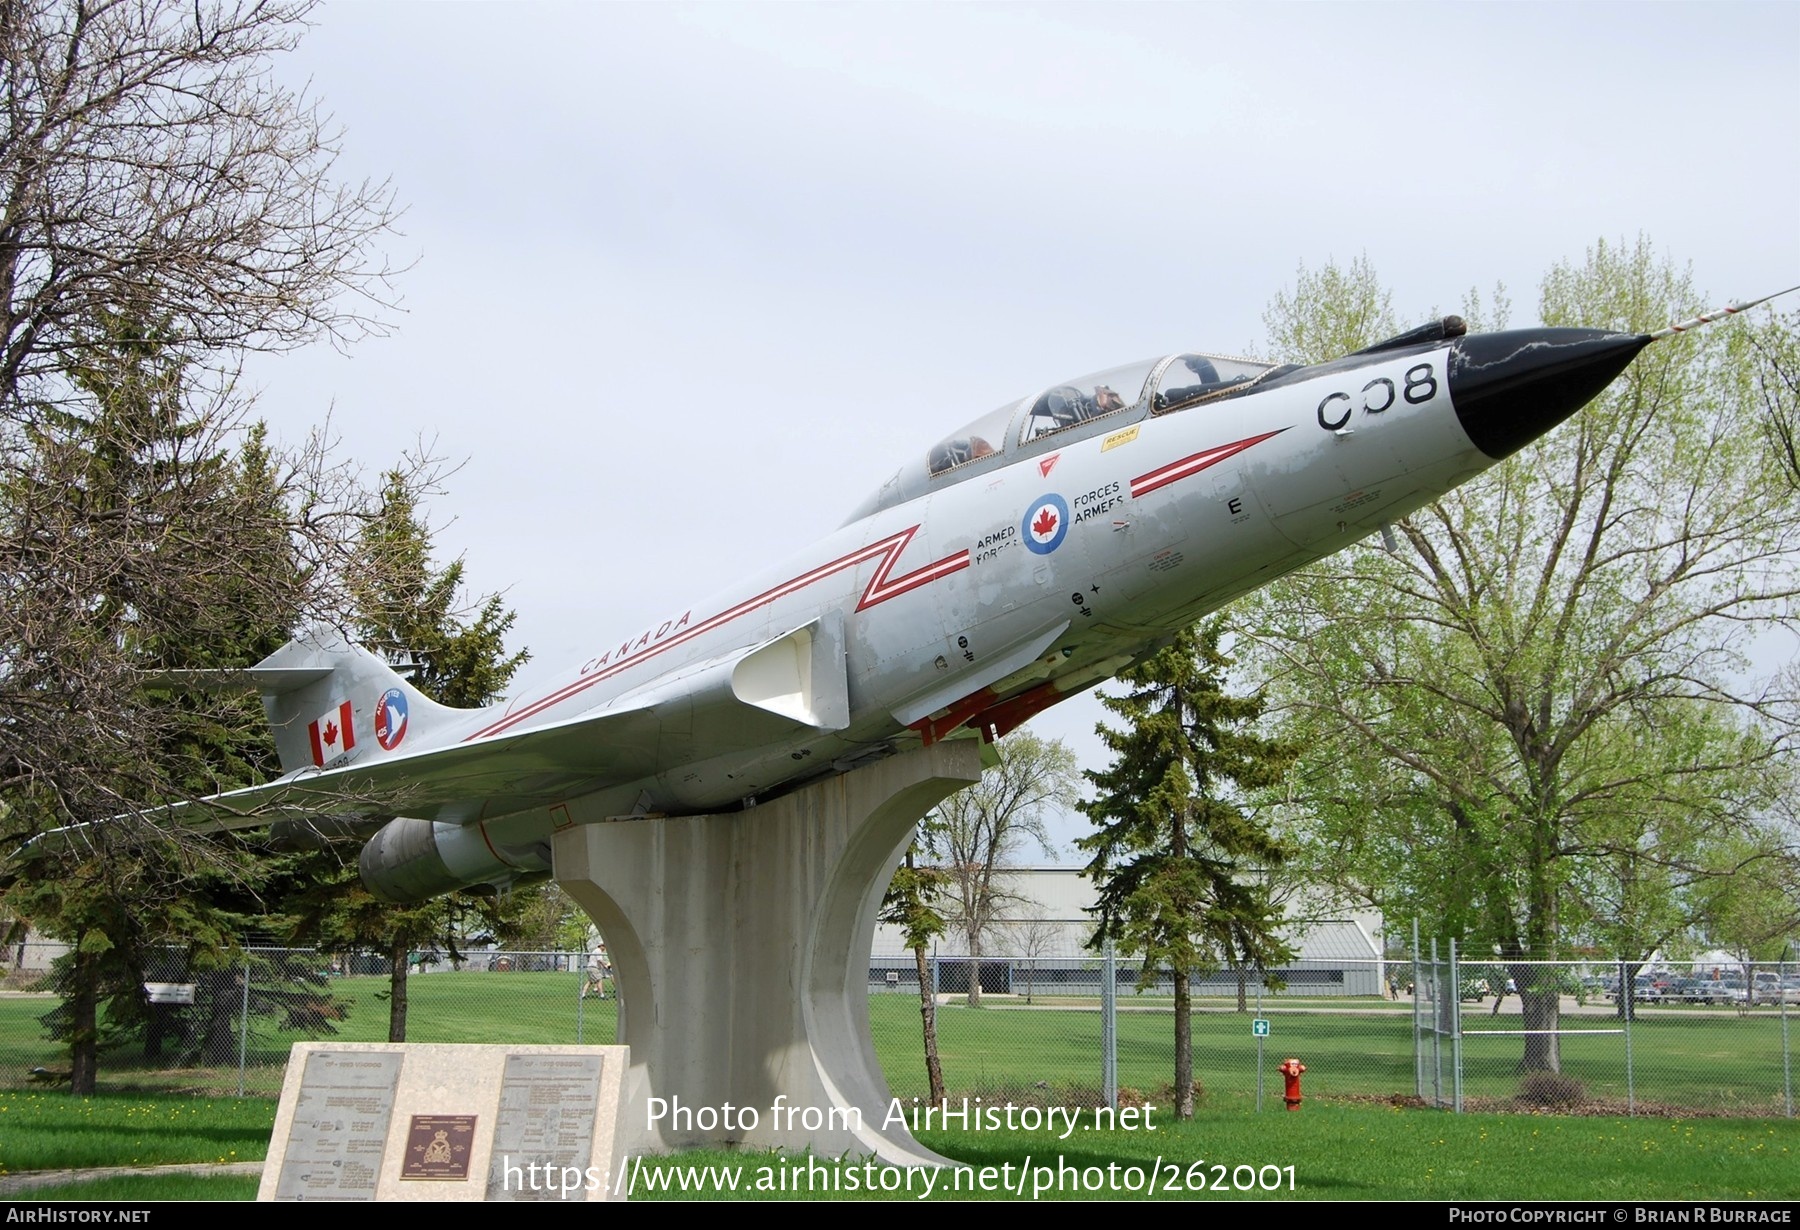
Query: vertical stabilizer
(331,703)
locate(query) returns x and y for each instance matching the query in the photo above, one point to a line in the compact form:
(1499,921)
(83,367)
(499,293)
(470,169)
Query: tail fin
(332,703)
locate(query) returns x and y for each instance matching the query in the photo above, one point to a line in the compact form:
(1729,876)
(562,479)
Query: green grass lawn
(1348,1141)
(1371,1152)
(134,1189)
(1328,1151)
(1713,1061)
(53,1131)
(1718,1062)
(470,1006)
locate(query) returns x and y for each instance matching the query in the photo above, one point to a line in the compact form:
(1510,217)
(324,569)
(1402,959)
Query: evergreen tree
(334,912)
(1177,856)
(412,615)
(126,520)
(170,208)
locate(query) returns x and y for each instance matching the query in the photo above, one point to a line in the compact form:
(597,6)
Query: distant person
(599,969)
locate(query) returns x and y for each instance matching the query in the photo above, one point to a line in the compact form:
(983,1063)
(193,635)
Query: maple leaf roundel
(1045,523)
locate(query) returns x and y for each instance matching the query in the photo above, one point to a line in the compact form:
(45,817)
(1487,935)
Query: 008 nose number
(1418,386)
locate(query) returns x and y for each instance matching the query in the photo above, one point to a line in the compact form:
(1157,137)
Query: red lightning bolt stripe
(880,588)
(1192,464)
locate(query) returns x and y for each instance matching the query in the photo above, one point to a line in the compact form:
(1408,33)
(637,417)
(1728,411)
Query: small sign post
(1260,1028)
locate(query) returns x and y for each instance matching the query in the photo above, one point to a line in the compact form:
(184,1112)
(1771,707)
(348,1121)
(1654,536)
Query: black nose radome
(1510,388)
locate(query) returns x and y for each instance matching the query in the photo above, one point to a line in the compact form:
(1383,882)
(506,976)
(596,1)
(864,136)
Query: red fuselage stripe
(1192,464)
(879,590)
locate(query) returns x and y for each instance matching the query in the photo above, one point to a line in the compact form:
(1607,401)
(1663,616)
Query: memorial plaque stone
(340,1126)
(547,1109)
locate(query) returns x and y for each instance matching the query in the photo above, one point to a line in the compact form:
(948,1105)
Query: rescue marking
(1119,437)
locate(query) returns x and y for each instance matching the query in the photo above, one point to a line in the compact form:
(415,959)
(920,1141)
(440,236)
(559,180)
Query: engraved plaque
(368,1121)
(340,1126)
(544,1136)
(437,1147)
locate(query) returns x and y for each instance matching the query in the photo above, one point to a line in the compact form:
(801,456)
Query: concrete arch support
(740,945)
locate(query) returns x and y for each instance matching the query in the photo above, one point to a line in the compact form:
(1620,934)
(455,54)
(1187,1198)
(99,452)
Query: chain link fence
(1031,1021)
(1049,1021)
(225,1025)
(1036,1018)
(1609,1036)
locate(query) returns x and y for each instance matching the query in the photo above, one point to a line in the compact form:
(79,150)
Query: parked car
(1685,990)
(1726,983)
(1771,988)
(1642,990)
(1703,991)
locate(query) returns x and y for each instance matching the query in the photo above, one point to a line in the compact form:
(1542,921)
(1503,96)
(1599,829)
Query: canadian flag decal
(332,733)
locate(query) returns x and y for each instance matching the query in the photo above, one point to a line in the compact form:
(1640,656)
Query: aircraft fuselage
(1004,583)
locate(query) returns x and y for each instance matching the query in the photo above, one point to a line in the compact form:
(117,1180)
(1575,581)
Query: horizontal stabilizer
(269,680)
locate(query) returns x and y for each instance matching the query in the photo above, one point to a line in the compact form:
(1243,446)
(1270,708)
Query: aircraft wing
(749,698)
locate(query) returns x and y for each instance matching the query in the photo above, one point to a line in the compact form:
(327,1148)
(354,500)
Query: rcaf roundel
(1045,523)
(390,719)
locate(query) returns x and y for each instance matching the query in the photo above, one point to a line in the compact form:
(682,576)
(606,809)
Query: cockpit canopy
(1074,409)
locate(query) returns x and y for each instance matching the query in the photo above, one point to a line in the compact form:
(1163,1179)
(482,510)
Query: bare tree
(151,166)
(979,830)
(165,206)
(1031,940)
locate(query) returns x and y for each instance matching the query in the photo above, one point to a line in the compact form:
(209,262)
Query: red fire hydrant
(1290,1070)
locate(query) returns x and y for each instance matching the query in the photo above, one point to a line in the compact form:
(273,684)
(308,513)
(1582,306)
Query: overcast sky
(689,280)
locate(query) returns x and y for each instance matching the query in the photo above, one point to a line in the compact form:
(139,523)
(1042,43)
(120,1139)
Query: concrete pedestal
(740,944)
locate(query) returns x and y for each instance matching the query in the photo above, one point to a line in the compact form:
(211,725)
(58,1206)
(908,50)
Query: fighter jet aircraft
(1025,557)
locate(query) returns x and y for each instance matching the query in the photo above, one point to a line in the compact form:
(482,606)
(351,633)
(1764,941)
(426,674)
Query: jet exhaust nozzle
(1511,387)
